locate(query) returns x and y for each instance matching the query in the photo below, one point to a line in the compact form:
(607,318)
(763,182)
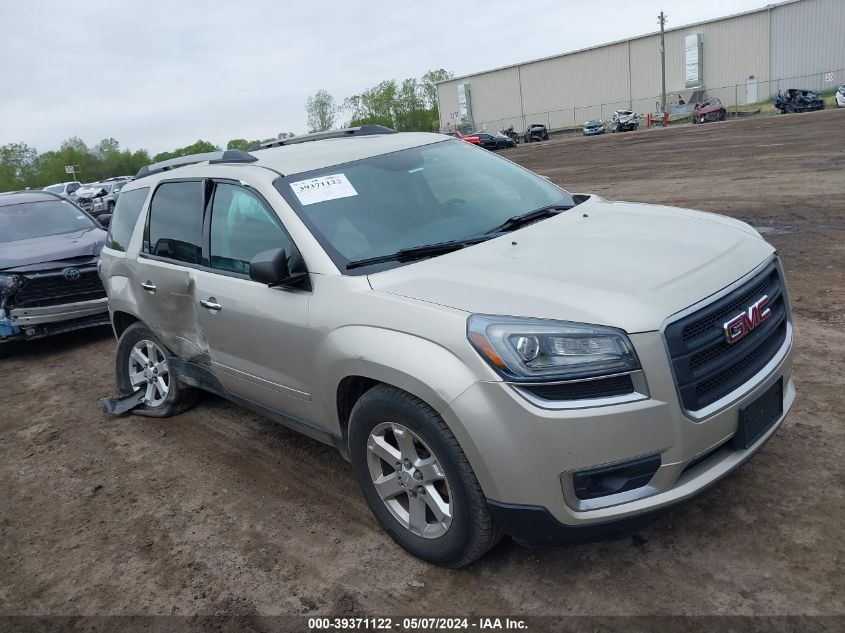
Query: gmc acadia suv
(493,354)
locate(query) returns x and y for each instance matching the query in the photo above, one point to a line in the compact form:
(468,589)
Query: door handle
(148,286)
(211,304)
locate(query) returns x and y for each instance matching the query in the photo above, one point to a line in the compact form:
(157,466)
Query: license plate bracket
(758,417)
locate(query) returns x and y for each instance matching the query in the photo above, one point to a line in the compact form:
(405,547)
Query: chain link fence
(753,98)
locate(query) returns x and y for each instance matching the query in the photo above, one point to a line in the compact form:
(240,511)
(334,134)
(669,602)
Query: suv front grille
(54,289)
(706,366)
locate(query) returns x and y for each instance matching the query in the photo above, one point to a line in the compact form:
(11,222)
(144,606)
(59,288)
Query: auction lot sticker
(323,189)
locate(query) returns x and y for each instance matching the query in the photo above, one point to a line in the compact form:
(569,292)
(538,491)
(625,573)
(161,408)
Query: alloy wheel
(148,370)
(410,480)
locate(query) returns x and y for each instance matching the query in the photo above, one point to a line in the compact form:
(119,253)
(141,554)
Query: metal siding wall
(791,40)
(808,38)
(492,95)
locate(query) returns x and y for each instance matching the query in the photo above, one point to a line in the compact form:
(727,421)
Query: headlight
(526,350)
(9,284)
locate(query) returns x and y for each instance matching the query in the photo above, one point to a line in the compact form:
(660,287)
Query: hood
(51,248)
(621,264)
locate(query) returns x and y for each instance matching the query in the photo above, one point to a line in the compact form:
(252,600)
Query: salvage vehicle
(493,354)
(494,142)
(536,132)
(106,198)
(594,127)
(84,196)
(840,96)
(511,134)
(798,101)
(710,110)
(624,121)
(48,267)
(65,189)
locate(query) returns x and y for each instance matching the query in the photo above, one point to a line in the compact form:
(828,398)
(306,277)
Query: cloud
(162,74)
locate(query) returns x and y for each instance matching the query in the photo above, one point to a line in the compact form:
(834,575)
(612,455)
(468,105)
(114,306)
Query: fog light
(611,480)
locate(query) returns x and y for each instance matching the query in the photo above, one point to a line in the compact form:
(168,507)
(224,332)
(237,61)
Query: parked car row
(97,198)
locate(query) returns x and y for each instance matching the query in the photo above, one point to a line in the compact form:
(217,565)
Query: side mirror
(270,267)
(105,220)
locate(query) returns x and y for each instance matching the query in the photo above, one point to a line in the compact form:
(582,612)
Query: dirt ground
(219,511)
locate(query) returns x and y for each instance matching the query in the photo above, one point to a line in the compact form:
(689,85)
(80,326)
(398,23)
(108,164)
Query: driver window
(241,227)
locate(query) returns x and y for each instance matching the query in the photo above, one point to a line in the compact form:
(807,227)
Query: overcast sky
(161,74)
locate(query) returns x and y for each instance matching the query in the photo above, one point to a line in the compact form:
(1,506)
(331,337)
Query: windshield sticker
(323,189)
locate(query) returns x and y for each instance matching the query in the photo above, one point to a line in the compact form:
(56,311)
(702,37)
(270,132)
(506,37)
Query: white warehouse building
(741,59)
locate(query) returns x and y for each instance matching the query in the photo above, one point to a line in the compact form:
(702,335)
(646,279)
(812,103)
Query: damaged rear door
(170,255)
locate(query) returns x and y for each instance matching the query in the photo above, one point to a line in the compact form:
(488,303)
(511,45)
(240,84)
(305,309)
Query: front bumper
(25,317)
(525,456)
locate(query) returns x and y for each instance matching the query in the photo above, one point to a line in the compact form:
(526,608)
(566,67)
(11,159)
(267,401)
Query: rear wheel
(142,363)
(416,479)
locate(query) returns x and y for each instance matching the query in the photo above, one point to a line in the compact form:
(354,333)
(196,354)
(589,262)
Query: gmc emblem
(744,322)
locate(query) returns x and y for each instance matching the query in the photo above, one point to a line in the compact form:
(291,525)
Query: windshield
(36,219)
(55,188)
(431,194)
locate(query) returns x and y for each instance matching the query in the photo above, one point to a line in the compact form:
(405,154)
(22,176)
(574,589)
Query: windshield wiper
(518,221)
(419,252)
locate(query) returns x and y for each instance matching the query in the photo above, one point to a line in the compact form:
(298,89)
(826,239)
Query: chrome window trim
(726,401)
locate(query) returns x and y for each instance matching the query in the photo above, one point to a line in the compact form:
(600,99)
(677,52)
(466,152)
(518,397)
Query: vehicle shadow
(65,342)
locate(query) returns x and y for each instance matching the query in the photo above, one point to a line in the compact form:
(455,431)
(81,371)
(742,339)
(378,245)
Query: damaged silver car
(49,249)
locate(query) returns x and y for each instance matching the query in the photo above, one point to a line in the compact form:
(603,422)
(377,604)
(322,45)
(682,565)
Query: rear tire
(391,433)
(166,396)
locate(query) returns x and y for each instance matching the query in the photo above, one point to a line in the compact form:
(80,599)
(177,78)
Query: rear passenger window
(175,222)
(125,217)
(241,227)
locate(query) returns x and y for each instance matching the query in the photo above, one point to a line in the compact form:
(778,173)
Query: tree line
(21,165)
(407,106)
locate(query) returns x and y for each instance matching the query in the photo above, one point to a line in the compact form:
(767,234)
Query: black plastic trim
(535,525)
(583,389)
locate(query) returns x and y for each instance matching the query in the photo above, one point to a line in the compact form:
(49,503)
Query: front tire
(143,363)
(416,479)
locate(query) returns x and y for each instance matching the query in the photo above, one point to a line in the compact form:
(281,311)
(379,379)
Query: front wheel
(416,479)
(142,364)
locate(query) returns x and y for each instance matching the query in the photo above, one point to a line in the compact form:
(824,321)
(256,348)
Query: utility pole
(662,20)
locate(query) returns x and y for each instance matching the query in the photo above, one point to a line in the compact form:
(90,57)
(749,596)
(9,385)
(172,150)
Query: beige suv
(493,354)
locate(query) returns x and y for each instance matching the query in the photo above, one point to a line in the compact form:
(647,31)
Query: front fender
(419,366)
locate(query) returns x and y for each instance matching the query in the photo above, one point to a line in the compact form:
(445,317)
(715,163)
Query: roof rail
(363,130)
(226,156)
